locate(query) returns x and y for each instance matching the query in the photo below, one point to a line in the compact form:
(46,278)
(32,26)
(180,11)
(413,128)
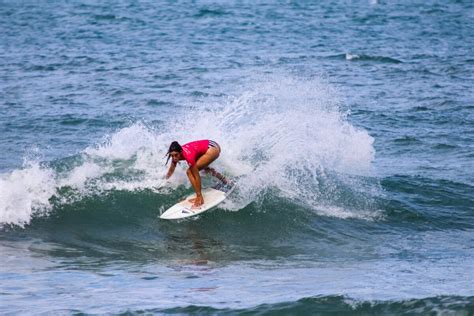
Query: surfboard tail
(226,188)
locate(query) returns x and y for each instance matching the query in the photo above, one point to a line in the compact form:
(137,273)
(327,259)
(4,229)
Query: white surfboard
(212,198)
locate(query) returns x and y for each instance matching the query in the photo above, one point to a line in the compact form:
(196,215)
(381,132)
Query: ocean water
(347,125)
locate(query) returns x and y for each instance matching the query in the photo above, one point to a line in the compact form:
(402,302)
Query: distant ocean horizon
(347,126)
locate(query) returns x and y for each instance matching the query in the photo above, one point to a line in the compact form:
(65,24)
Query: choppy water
(349,127)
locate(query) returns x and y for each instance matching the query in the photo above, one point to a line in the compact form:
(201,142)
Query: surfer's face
(175,156)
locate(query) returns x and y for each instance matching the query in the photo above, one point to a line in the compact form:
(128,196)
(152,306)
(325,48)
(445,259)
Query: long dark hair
(175,146)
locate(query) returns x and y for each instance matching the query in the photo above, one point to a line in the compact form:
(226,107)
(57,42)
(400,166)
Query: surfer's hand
(170,170)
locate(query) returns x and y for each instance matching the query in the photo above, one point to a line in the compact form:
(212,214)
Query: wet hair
(175,146)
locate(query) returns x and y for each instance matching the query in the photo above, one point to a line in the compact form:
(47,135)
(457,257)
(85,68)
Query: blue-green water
(349,127)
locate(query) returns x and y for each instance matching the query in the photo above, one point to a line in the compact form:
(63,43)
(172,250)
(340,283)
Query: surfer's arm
(171,170)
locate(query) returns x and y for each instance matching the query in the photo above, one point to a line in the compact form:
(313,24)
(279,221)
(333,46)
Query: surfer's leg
(205,160)
(202,163)
(192,179)
(213,172)
(195,184)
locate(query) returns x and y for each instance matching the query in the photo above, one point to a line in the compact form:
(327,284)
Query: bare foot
(198,201)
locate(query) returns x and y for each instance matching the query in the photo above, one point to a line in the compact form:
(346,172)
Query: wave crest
(283,134)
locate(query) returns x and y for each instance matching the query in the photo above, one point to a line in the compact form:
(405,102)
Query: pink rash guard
(193,150)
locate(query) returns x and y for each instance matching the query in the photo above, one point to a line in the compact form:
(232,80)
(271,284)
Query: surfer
(199,155)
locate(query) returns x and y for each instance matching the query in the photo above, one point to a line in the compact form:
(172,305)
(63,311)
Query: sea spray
(126,160)
(287,134)
(283,134)
(24,192)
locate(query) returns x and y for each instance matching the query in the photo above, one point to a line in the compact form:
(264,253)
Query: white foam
(25,192)
(287,134)
(281,133)
(124,143)
(352,56)
(348,212)
(77,177)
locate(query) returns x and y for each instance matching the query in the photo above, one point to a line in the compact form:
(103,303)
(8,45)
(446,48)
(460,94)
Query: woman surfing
(199,155)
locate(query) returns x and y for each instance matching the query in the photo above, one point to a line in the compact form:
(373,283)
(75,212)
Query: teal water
(348,127)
